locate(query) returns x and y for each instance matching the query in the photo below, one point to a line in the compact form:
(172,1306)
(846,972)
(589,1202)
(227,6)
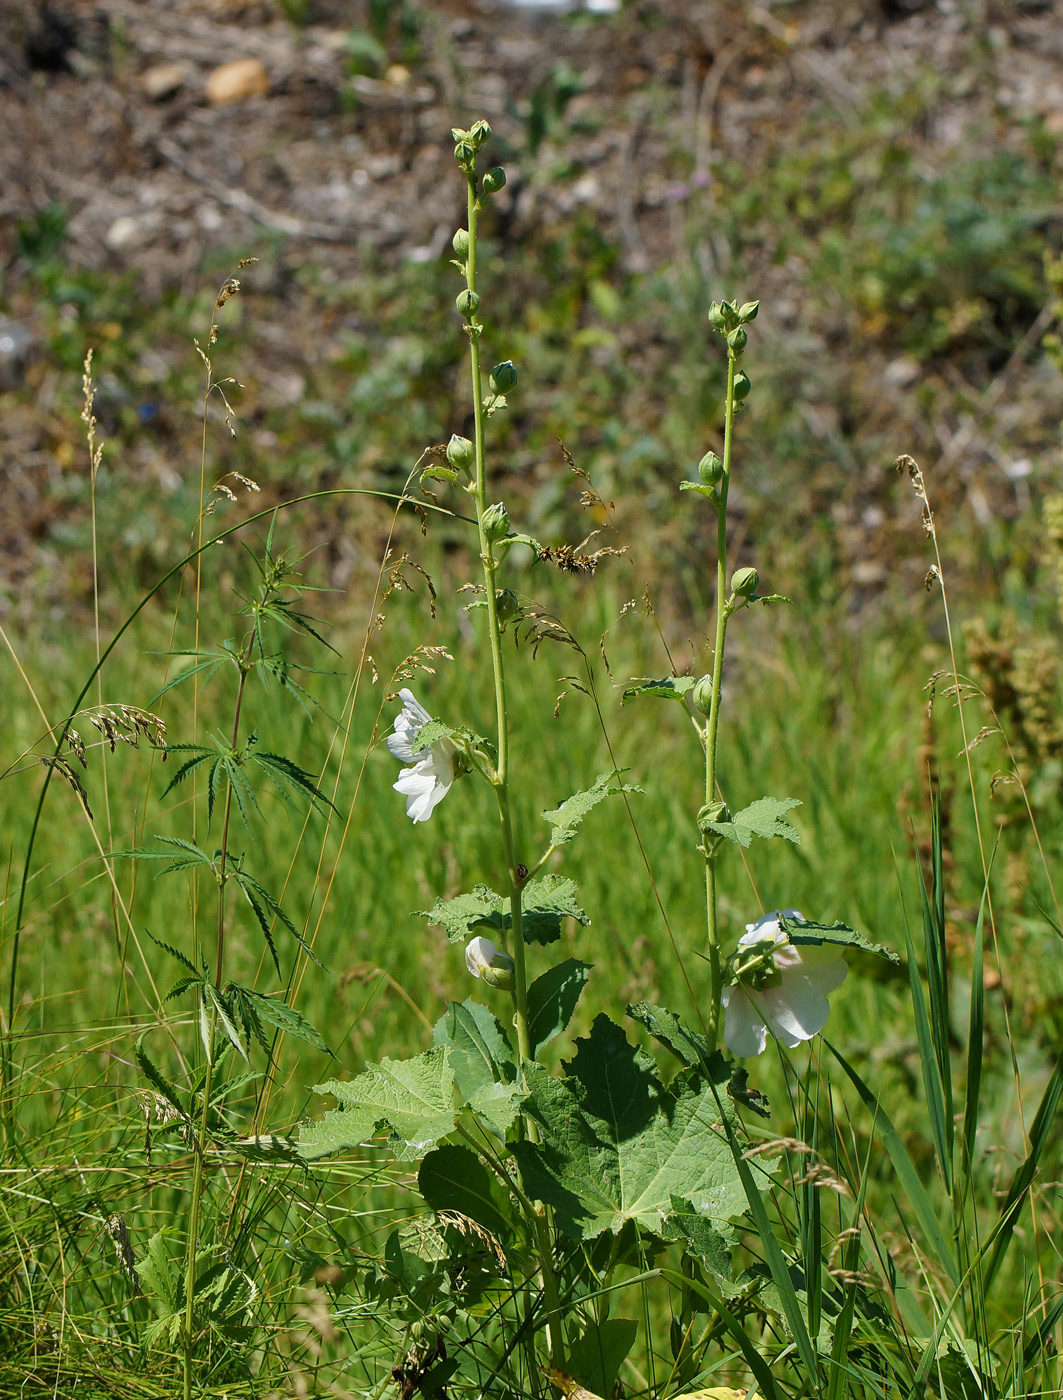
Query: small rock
(233,82)
(163,80)
(124,231)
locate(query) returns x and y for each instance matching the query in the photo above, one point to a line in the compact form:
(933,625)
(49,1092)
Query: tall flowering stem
(500,777)
(712,723)
(466,147)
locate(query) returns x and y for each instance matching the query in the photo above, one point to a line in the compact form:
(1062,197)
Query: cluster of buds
(467,143)
(730,320)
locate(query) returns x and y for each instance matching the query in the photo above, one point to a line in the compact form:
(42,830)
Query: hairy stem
(712,726)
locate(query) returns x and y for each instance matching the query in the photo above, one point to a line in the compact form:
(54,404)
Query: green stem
(500,779)
(194,1208)
(712,727)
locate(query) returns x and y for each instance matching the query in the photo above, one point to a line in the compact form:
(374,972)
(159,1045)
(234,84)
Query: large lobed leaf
(546,903)
(414,1098)
(567,817)
(619,1146)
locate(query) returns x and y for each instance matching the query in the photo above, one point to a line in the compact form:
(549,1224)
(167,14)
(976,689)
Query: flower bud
(701,696)
(507,605)
(717,319)
(742,385)
(479,133)
(748,311)
(464,153)
(495,522)
(710,469)
(460,453)
(483,960)
(460,243)
(468,303)
(503,377)
(744,582)
(737,340)
(494,180)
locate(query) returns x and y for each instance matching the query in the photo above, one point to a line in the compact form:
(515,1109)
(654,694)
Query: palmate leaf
(483,1063)
(667,688)
(552,999)
(766,817)
(283,1017)
(618,1146)
(289,777)
(414,1099)
(547,902)
(566,818)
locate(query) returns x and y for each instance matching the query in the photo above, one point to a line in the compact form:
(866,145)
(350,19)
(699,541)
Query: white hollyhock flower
(784,992)
(428,781)
(483,959)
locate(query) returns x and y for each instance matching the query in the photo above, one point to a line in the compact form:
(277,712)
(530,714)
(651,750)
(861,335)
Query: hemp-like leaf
(766,817)
(567,817)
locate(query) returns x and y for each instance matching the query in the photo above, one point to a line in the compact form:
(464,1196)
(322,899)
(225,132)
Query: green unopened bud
(748,310)
(744,582)
(717,318)
(507,605)
(701,696)
(710,469)
(501,973)
(495,522)
(742,385)
(468,303)
(464,153)
(503,377)
(460,453)
(479,133)
(737,340)
(460,243)
(494,180)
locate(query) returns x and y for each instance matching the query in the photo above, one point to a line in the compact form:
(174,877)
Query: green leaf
(439,473)
(480,1052)
(668,688)
(515,537)
(547,902)
(459,916)
(765,817)
(552,999)
(413,1098)
(453,1178)
(164,1087)
(567,817)
(160,1280)
(432,733)
(698,487)
(687,1046)
(837,935)
(617,1145)
(596,1358)
(703,1239)
(286,1019)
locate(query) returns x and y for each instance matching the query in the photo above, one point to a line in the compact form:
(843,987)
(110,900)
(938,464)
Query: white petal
(419,789)
(743,1029)
(409,722)
(478,955)
(796,1010)
(823,967)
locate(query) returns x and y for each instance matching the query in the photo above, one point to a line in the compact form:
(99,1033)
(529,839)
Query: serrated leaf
(480,1052)
(617,1145)
(413,1098)
(459,916)
(157,1079)
(285,1018)
(766,817)
(687,1046)
(439,473)
(455,1179)
(159,1278)
(552,999)
(567,817)
(704,1239)
(668,688)
(432,732)
(698,487)
(497,1106)
(547,902)
(838,935)
(514,537)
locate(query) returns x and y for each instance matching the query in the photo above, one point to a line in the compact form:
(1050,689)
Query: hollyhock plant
(428,780)
(484,960)
(778,987)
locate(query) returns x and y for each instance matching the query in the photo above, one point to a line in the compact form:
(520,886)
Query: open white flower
(428,781)
(785,992)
